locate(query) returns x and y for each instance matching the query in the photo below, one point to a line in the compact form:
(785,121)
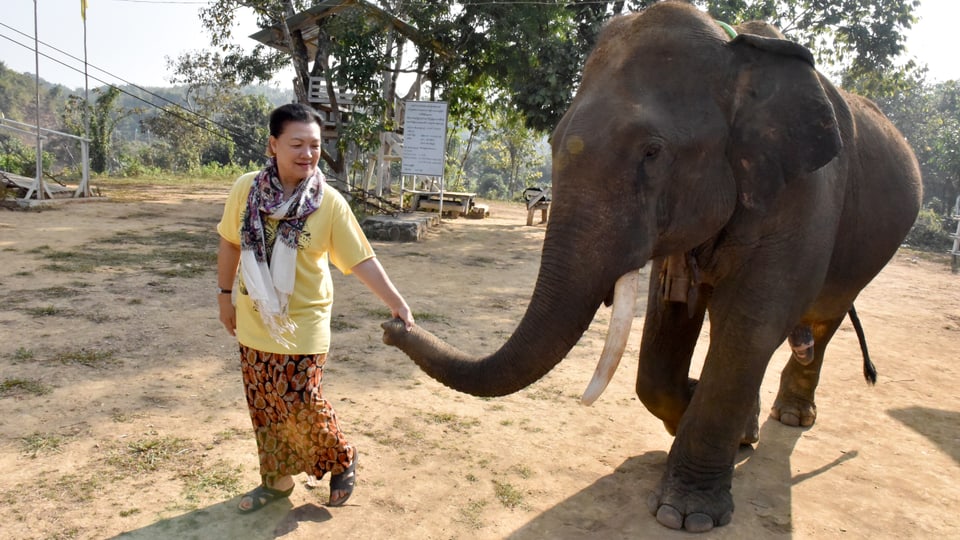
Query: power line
(243,137)
(236,136)
(184,2)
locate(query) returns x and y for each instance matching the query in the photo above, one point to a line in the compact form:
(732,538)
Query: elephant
(762,196)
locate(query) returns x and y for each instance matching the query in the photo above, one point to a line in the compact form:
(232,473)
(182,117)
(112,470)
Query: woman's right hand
(228,313)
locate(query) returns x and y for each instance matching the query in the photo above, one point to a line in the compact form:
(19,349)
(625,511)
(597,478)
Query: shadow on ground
(940,427)
(615,506)
(223,521)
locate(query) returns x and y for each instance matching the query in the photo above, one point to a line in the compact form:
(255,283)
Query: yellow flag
(83,9)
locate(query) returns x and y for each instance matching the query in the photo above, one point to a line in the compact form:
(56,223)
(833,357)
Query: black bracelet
(221,290)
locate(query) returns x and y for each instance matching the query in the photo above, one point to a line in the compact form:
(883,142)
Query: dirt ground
(121,412)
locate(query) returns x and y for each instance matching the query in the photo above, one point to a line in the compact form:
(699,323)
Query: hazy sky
(126,40)
(130,40)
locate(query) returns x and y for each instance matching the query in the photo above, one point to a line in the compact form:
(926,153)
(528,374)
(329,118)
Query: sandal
(262,496)
(344,482)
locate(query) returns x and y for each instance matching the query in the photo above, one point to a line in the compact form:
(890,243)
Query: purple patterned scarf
(268,265)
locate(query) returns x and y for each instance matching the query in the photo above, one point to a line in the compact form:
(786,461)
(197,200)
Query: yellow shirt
(331,233)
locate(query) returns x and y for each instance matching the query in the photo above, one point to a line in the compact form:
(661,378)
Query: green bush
(18,158)
(132,168)
(928,233)
(216,171)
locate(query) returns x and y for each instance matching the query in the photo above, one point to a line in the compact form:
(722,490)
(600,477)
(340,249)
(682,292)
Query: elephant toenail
(789,419)
(698,523)
(668,516)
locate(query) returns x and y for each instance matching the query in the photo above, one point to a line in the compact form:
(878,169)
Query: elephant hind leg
(795,404)
(802,343)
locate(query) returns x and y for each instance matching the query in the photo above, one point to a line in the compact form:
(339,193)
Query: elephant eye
(652,151)
(655,160)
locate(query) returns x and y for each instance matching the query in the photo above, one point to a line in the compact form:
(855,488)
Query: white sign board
(424,137)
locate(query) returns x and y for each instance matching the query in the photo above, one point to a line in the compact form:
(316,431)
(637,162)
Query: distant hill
(18,96)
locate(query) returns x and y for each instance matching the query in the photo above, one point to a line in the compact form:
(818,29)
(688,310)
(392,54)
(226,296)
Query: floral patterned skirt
(296,428)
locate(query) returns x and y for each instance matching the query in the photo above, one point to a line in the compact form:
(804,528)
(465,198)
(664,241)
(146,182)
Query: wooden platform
(543,207)
(21,185)
(537,199)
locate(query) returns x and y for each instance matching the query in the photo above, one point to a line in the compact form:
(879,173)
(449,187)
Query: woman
(281,226)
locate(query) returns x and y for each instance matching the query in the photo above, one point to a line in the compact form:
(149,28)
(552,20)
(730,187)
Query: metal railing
(39,188)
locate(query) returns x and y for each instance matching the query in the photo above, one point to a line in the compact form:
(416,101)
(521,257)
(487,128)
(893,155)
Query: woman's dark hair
(292,112)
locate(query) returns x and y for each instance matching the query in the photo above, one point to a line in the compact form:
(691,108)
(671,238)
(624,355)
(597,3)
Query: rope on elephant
(728,29)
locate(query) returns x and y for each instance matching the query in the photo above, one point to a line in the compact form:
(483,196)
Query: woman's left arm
(371,273)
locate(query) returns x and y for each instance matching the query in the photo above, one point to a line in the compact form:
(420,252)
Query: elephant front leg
(694,493)
(795,404)
(670,335)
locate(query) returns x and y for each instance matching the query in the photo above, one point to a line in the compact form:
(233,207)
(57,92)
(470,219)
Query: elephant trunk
(561,309)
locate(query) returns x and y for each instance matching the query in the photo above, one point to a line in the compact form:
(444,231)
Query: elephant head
(675,133)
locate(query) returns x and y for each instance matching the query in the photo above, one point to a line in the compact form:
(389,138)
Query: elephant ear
(782,123)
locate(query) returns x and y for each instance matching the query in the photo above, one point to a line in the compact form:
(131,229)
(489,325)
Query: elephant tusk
(621,318)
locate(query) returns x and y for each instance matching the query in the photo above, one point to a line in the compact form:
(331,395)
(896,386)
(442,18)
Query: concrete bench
(452,208)
(454,203)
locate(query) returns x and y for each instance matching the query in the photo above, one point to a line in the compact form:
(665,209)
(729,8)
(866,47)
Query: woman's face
(297,150)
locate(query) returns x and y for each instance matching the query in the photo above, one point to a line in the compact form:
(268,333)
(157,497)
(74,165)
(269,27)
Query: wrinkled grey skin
(787,194)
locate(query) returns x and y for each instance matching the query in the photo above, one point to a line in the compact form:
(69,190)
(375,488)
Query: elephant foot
(794,412)
(694,511)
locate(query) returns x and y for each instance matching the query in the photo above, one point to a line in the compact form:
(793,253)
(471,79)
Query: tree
(853,39)
(184,140)
(351,52)
(247,115)
(231,129)
(535,52)
(103,115)
(945,142)
(928,115)
(527,56)
(507,159)
(932,125)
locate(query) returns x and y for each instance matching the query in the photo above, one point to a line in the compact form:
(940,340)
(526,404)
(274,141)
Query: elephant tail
(869,370)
